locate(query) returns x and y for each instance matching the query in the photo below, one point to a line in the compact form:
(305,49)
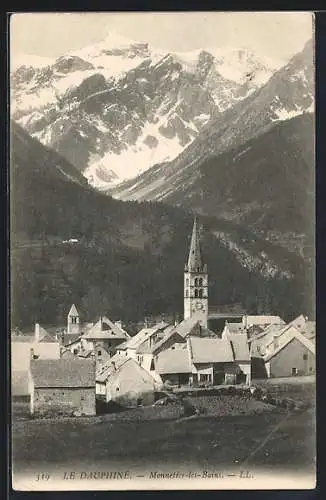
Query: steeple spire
(195,259)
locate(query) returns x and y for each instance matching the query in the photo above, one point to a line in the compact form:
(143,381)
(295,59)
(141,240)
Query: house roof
(268,333)
(153,339)
(206,350)
(173,360)
(104,329)
(262,320)
(235,327)
(142,335)
(63,372)
(240,347)
(112,365)
(160,343)
(85,353)
(73,311)
(67,354)
(70,338)
(295,334)
(187,326)
(44,336)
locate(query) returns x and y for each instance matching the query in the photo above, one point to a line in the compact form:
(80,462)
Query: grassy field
(230,431)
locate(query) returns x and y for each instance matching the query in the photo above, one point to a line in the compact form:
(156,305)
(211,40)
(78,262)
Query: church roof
(73,311)
(195,258)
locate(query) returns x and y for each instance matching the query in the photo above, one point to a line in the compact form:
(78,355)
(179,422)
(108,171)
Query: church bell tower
(73,325)
(196,281)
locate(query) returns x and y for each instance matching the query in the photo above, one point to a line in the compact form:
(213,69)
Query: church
(196,282)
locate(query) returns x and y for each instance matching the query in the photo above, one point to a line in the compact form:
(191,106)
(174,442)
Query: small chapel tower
(196,281)
(73,325)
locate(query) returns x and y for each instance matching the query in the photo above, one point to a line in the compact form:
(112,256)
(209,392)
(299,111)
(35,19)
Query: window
(196,293)
(203,377)
(200,293)
(294,371)
(187,282)
(74,320)
(196,281)
(186,293)
(82,398)
(305,357)
(200,282)
(99,353)
(75,351)
(117,389)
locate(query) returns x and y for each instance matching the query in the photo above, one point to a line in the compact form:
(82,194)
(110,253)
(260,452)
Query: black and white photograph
(162,251)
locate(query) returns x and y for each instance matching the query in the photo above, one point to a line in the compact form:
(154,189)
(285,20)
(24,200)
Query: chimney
(37,332)
(113,365)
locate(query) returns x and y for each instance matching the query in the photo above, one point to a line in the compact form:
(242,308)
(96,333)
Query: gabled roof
(294,335)
(70,338)
(152,340)
(142,335)
(262,320)
(114,366)
(235,327)
(268,333)
(63,373)
(206,350)
(104,329)
(73,311)
(173,360)
(178,338)
(187,326)
(240,347)
(44,337)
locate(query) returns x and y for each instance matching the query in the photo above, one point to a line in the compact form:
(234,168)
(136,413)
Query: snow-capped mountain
(288,93)
(118,107)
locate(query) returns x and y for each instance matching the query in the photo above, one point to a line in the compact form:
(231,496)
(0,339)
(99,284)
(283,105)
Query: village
(76,370)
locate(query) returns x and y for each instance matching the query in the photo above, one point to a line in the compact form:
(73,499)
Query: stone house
(130,346)
(266,350)
(173,365)
(62,387)
(38,345)
(105,333)
(294,355)
(212,361)
(123,381)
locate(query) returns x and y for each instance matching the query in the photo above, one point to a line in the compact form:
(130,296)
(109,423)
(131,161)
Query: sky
(277,35)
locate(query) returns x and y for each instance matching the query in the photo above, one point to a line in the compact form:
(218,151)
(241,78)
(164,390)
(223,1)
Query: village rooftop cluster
(69,373)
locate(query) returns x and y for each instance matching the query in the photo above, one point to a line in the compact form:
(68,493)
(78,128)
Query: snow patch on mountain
(150,148)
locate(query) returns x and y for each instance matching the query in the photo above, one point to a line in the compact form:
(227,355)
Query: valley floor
(159,438)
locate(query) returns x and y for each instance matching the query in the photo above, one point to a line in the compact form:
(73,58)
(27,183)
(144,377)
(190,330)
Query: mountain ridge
(71,243)
(143,106)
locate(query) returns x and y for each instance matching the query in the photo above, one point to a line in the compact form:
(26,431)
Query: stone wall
(63,401)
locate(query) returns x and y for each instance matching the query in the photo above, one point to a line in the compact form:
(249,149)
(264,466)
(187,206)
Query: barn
(62,387)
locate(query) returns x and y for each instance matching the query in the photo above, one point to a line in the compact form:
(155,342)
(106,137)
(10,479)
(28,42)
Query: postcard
(162,180)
